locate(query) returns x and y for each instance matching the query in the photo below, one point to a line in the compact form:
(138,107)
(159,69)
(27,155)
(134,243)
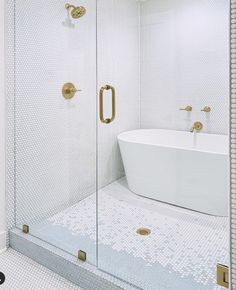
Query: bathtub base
(189,177)
(203,188)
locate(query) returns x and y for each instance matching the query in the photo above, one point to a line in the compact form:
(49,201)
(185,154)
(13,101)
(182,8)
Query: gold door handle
(206,109)
(69,90)
(101,98)
(187,109)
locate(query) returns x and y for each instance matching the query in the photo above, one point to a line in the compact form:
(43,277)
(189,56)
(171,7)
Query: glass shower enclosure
(84,73)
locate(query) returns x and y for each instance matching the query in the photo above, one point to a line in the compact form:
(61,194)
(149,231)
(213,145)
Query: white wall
(185,61)
(118,65)
(2,132)
(55,138)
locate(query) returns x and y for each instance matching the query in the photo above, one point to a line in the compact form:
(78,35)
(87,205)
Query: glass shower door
(163,218)
(119,83)
(55,123)
(84,75)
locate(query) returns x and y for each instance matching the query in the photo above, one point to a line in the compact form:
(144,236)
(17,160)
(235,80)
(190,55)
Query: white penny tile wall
(55,139)
(118,65)
(185,61)
(51,141)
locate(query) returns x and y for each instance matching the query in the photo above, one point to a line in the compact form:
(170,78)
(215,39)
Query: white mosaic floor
(23,273)
(181,252)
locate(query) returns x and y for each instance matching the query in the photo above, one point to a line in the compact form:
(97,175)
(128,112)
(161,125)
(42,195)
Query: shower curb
(82,274)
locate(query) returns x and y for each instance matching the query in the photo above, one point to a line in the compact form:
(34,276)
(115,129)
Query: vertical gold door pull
(101,98)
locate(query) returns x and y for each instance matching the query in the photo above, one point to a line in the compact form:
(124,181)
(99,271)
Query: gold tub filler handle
(101,101)
(206,109)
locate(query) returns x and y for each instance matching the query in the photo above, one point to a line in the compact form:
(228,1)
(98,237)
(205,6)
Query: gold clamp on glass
(101,98)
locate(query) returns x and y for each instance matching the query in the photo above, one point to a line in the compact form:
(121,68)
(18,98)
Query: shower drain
(143,231)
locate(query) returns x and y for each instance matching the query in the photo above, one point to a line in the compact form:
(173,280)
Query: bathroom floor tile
(23,273)
(181,251)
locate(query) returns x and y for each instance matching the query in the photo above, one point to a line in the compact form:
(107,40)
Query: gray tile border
(82,274)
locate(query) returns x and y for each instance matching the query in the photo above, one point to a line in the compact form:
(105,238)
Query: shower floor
(181,252)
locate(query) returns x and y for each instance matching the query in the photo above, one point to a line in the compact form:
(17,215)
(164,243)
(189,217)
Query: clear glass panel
(162,222)
(55,138)
(118,66)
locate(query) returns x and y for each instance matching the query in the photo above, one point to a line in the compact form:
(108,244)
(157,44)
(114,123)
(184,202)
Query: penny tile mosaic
(182,250)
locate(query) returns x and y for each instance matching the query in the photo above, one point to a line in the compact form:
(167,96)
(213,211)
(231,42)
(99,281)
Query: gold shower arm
(68,6)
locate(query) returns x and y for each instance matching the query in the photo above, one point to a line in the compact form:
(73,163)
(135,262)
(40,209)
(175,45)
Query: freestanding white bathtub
(190,170)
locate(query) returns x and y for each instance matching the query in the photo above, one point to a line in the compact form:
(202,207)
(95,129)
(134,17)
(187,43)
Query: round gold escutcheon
(143,231)
(69,91)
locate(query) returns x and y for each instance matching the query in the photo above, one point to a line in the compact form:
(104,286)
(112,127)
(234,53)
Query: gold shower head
(76,12)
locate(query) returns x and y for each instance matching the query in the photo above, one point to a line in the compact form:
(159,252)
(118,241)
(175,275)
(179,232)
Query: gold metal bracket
(69,90)
(223,275)
(25,229)
(82,255)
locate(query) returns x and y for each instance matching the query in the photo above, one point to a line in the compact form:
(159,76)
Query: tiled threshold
(82,274)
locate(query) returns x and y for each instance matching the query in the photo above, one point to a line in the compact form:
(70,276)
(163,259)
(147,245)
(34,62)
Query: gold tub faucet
(197,126)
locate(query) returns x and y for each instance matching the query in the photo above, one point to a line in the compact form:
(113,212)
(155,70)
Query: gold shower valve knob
(69,90)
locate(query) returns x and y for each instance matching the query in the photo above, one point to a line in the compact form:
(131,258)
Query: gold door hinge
(223,275)
(25,229)
(82,255)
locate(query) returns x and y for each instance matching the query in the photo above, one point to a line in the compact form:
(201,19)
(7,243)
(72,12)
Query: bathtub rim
(226,153)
